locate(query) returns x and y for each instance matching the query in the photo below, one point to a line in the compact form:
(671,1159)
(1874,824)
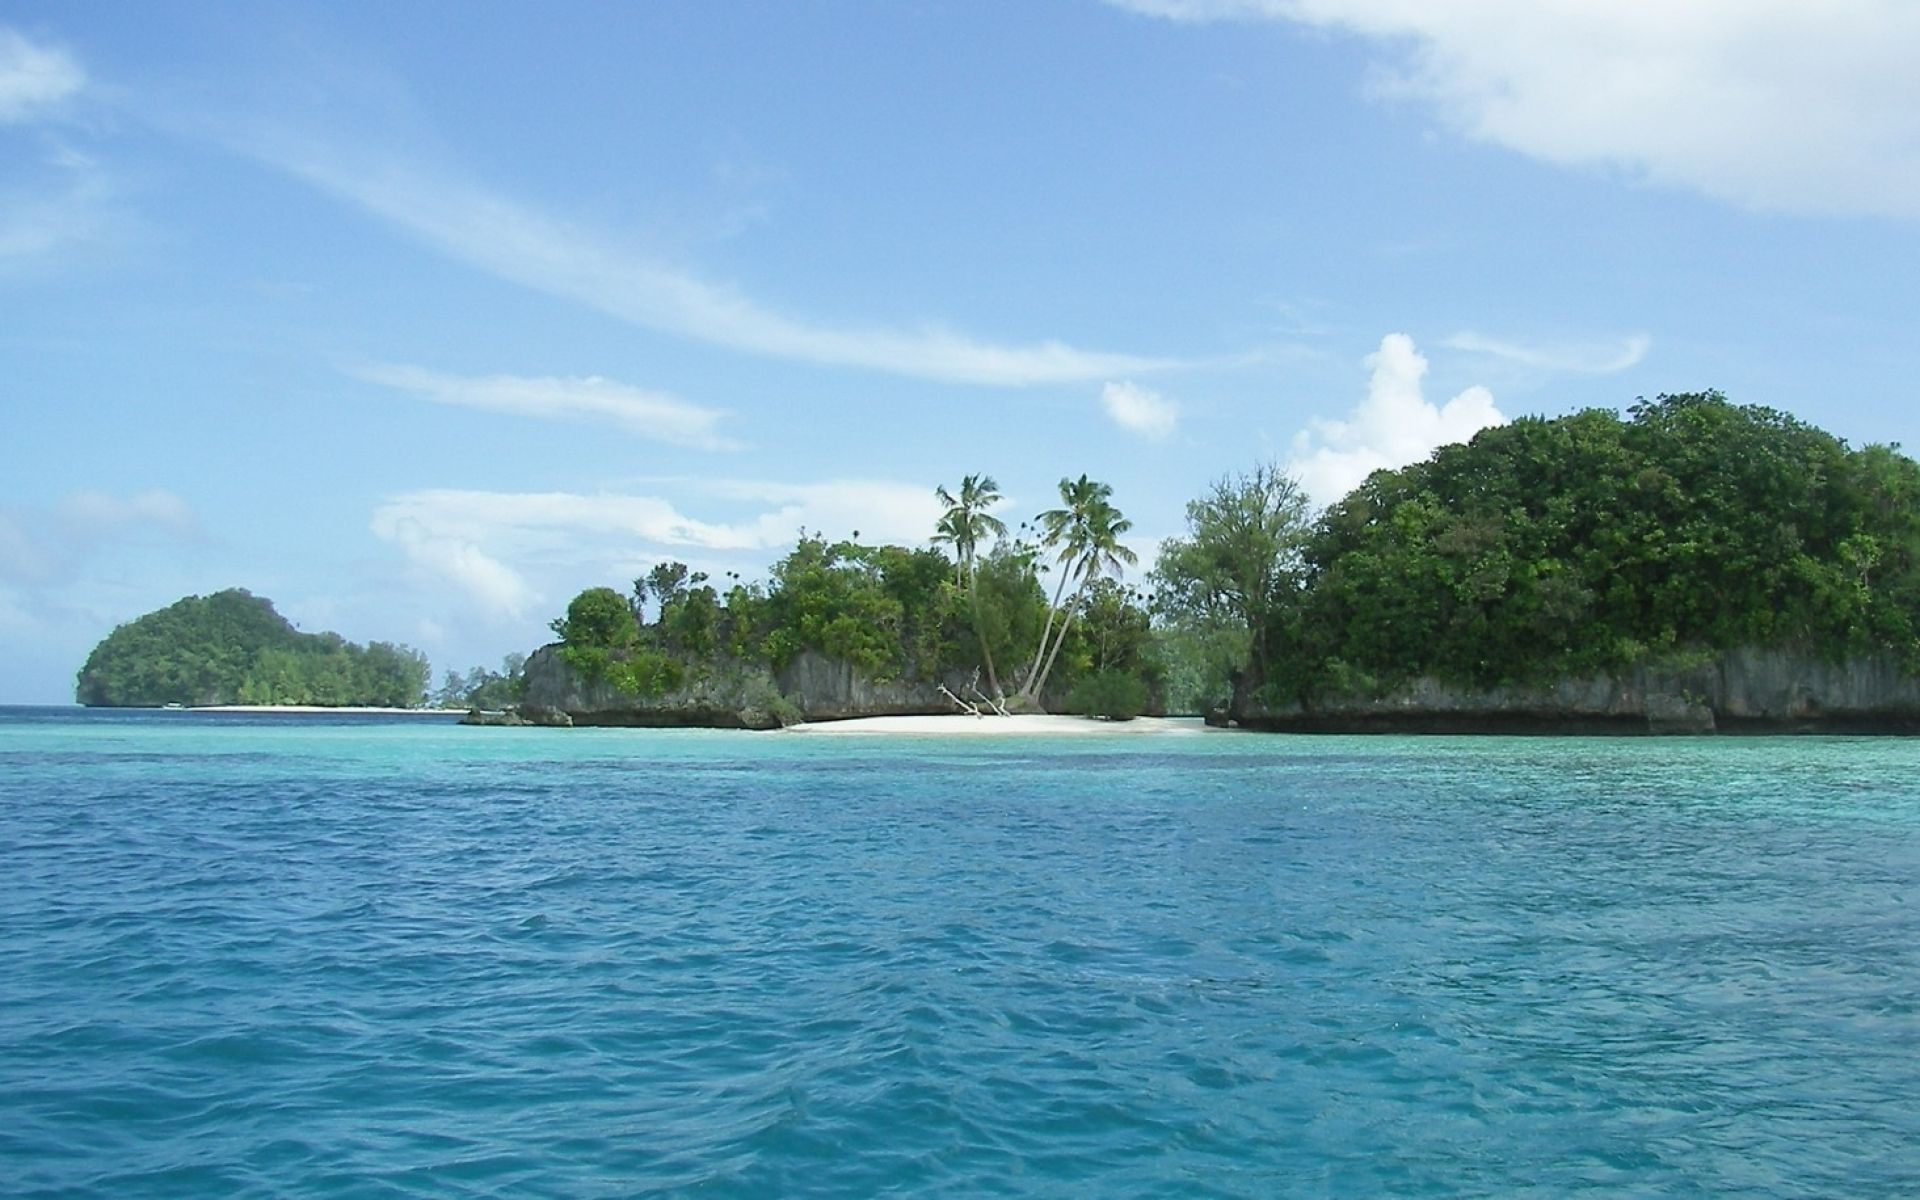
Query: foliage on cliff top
(233,647)
(1588,542)
(892,612)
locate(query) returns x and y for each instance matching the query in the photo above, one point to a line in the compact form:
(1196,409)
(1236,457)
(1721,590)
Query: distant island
(232,647)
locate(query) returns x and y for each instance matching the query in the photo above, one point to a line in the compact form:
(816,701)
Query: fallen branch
(964,707)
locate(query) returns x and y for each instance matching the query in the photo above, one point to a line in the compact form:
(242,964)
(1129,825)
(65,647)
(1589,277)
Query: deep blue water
(312,956)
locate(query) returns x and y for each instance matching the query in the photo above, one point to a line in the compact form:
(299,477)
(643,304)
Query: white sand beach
(1026,725)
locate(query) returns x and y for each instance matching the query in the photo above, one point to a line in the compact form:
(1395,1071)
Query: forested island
(232,647)
(1694,564)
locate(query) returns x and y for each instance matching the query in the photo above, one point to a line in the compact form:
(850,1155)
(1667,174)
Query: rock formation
(1752,690)
(812,687)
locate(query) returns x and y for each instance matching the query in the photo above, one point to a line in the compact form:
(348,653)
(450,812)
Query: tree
(1239,568)
(1103,556)
(1086,532)
(963,526)
(1584,544)
(599,618)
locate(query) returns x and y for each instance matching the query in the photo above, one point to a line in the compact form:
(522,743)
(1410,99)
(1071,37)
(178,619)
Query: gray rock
(732,695)
(1753,689)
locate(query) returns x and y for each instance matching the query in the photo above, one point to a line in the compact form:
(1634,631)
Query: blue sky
(418,318)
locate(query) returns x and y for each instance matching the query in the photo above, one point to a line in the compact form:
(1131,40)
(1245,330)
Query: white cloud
(1138,410)
(1774,104)
(33,77)
(1392,427)
(517,244)
(497,588)
(490,544)
(656,415)
(1579,359)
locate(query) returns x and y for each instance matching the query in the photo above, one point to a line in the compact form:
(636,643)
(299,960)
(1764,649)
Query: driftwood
(964,707)
(998,708)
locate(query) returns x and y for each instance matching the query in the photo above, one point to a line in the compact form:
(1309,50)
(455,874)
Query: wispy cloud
(39,546)
(62,200)
(35,78)
(1775,104)
(1139,410)
(95,515)
(1573,358)
(1394,426)
(656,415)
(503,549)
(511,241)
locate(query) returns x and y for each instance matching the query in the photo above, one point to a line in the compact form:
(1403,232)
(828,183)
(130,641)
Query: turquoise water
(310,957)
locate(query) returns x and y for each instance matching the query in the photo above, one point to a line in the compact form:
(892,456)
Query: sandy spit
(961,725)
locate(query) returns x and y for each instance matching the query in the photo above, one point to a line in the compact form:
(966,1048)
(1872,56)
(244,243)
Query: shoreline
(1024,725)
(351,710)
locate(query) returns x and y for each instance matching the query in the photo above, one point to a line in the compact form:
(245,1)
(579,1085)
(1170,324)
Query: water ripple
(285,959)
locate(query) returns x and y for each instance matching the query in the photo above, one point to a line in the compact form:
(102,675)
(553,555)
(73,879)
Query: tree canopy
(233,647)
(1592,542)
(1541,549)
(1222,590)
(892,612)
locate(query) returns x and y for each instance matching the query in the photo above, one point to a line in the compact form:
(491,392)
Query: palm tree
(962,526)
(1056,529)
(1103,555)
(1086,528)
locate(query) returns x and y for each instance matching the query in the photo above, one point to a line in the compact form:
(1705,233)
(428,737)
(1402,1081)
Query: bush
(1114,695)
(598,617)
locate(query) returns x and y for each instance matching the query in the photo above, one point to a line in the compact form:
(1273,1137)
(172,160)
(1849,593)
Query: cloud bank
(1770,104)
(1394,426)
(492,546)
(654,415)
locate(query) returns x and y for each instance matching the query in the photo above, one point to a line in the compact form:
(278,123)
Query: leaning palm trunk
(1028,689)
(1072,607)
(980,631)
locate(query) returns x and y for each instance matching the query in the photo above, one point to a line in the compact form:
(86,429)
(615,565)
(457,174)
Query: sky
(419,318)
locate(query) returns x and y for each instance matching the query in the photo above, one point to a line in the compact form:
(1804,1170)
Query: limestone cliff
(812,687)
(1752,690)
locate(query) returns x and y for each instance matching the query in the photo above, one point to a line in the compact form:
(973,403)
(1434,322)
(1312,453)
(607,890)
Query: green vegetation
(1542,549)
(1085,533)
(965,523)
(1110,695)
(1222,591)
(892,612)
(233,648)
(481,688)
(1569,546)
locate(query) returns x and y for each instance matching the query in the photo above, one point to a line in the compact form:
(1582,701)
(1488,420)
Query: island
(1694,566)
(1689,566)
(232,647)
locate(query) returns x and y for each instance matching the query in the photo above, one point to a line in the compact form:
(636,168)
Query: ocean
(326,956)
